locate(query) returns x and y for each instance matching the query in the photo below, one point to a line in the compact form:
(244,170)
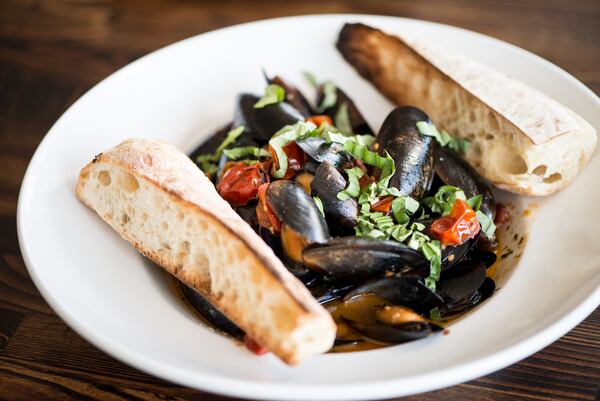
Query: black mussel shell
(357,121)
(296,209)
(488,258)
(412,152)
(401,289)
(461,281)
(322,151)
(212,143)
(208,312)
(456,171)
(356,258)
(326,184)
(293,95)
(262,123)
(324,290)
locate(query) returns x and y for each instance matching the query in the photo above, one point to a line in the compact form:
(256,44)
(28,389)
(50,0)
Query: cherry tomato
(383,205)
(264,213)
(460,225)
(295,157)
(254,347)
(240,183)
(320,119)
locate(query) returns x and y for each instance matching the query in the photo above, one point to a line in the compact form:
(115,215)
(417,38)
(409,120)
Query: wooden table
(51,52)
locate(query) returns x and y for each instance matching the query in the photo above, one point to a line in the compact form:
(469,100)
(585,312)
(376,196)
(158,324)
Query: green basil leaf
(487,225)
(238,153)
(460,145)
(329,96)
(319,204)
(475,202)
(353,188)
(342,119)
(283,137)
(208,161)
(434,314)
(273,94)
(330,134)
(310,78)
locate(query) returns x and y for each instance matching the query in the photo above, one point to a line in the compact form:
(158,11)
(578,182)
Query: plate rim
(252,389)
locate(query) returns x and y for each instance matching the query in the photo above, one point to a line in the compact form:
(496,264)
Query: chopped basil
(487,225)
(434,314)
(310,78)
(353,188)
(330,134)
(460,145)
(443,201)
(208,161)
(475,202)
(403,207)
(329,96)
(385,164)
(238,153)
(283,137)
(273,94)
(443,138)
(319,204)
(342,119)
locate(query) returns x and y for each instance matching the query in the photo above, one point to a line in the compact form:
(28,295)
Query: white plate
(103,289)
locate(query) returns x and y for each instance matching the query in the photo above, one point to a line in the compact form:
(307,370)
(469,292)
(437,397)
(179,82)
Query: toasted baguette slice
(522,141)
(158,200)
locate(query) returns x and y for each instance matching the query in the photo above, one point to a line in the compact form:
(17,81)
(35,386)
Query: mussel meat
(412,151)
(326,184)
(379,320)
(262,123)
(456,171)
(358,258)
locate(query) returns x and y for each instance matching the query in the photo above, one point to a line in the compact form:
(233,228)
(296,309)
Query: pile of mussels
(392,233)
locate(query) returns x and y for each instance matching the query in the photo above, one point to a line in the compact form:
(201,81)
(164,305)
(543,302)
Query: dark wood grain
(51,52)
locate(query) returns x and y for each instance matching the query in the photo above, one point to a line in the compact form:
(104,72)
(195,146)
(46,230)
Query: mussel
(412,151)
(401,289)
(326,184)
(262,123)
(325,290)
(461,281)
(452,254)
(358,258)
(357,121)
(212,143)
(208,312)
(456,171)
(488,258)
(321,151)
(484,292)
(292,94)
(302,222)
(379,320)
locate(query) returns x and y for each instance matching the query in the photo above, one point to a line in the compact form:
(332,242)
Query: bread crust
(161,169)
(538,145)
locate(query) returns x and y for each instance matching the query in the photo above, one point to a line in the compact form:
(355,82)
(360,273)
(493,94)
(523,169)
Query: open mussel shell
(356,258)
(378,320)
(293,95)
(484,292)
(401,289)
(322,151)
(412,151)
(296,209)
(262,123)
(357,121)
(456,171)
(461,281)
(208,312)
(326,184)
(324,290)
